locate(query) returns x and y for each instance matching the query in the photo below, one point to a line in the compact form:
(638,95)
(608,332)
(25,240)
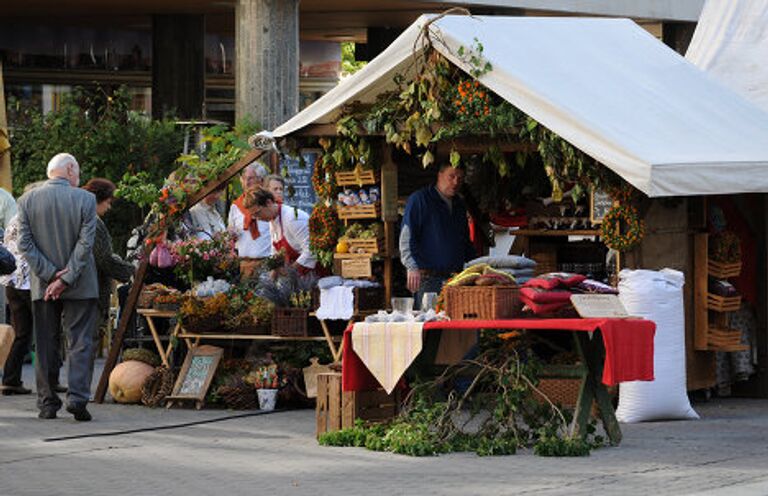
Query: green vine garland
(622,228)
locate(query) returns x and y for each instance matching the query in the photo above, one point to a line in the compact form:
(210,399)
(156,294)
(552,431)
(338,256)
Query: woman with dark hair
(108,265)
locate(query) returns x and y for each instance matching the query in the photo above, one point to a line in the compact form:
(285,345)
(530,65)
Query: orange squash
(126,380)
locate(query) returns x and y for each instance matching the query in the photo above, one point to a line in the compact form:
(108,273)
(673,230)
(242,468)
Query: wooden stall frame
(141,272)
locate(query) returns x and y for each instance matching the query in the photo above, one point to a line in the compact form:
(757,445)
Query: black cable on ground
(161,427)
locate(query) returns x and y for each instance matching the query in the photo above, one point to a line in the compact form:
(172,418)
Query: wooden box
(359,177)
(357,245)
(352,265)
(359,212)
(337,409)
(721,270)
(723,303)
(290,322)
(482,302)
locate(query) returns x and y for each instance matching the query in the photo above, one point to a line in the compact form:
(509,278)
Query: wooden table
(336,352)
(150,315)
(618,350)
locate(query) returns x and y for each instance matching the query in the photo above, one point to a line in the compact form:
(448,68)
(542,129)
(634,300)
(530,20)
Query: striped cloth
(387,348)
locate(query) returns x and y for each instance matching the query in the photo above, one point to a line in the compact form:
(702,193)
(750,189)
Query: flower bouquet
(197,259)
(248,313)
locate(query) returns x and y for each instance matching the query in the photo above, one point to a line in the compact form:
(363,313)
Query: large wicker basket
(563,392)
(482,302)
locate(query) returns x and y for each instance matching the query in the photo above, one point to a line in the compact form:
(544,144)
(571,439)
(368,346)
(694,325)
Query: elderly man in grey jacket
(57,225)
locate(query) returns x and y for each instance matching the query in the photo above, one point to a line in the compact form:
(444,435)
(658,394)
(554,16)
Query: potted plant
(266,380)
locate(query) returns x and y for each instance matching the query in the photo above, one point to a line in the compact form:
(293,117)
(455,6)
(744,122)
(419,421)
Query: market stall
(638,110)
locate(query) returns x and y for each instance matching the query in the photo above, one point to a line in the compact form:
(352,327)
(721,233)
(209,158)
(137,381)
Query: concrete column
(267,60)
(178,65)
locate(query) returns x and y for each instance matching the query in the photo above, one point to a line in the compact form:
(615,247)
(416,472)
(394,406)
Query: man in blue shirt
(434,239)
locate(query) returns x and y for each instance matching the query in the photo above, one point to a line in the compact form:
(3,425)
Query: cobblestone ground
(726,452)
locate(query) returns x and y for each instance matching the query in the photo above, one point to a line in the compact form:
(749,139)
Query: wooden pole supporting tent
(141,272)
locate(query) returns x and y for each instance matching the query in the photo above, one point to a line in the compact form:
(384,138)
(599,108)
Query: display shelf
(358,177)
(725,339)
(723,303)
(372,246)
(359,212)
(720,270)
(252,337)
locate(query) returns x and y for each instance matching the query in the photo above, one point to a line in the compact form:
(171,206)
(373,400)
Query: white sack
(657,296)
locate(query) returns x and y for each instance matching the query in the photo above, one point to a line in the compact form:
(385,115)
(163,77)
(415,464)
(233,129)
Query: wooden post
(141,272)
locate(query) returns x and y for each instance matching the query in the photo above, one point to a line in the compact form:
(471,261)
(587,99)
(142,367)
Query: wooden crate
(290,322)
(482,302)
(721,270)
(723,337)
(357,245)
(372,211)
(337,409)
(360,177)
(352,265)
(723,303)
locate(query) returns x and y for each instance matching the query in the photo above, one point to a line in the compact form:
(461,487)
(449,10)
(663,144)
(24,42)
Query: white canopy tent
(605,85)
(731,43)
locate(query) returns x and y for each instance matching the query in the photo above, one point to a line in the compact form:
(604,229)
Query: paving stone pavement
(726,452)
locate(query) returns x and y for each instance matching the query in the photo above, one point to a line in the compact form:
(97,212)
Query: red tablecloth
(628,346)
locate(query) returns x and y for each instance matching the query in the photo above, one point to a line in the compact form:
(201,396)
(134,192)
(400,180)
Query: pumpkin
(126,380)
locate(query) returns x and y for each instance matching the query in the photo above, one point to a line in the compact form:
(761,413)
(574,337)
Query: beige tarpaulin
(605,85)
(5,143)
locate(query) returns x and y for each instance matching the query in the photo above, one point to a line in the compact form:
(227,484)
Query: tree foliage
(108,140)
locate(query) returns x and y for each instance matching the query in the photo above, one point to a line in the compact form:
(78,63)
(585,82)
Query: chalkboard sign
(299,180)
(600,203)
(196,374)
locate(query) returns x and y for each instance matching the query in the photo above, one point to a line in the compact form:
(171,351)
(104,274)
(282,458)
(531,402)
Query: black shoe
(80,412)
(10,390)
(47,413)
(58,388)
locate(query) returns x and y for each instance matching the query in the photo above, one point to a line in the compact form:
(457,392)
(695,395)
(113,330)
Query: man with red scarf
(252,235)
(288,227)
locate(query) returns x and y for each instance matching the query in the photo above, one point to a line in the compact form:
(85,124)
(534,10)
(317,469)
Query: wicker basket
(241,396)
(166,307)
(203,326)
(290,322)
(562,391)
(482,302)
(146,298)
(369,299)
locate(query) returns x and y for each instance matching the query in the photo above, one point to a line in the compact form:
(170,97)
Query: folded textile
(337,303)
(539,295)
(543,308)
(591,286)
(387,349)
(360,283)
(528,272)
(508,261)
(329,282)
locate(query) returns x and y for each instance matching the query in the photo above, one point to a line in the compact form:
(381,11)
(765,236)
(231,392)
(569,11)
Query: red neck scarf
(250,223)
